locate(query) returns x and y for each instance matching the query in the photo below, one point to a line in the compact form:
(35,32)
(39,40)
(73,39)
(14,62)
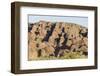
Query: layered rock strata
(55,39)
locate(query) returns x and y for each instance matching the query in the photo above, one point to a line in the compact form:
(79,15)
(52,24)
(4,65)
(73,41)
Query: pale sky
(72,19)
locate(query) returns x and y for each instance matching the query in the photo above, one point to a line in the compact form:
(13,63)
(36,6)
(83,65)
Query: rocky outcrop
(55,39)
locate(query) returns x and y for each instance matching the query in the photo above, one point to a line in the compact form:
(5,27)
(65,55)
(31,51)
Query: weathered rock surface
(55,39)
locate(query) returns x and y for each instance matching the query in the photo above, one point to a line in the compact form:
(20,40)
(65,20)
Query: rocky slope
(48,40)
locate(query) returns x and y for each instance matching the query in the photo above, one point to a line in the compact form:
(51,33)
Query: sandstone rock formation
(56,39)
